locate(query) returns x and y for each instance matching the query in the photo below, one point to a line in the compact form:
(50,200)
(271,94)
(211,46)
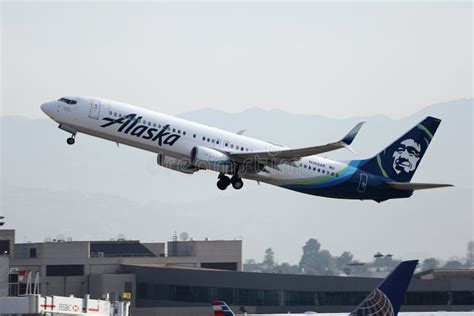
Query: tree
(309,259)
(326,263)
(343,260)
(286,268)
(453,265)
(429,264)
(470,254)
(269,260)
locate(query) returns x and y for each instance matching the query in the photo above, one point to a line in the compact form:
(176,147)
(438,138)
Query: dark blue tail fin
(387,298)
(400,160)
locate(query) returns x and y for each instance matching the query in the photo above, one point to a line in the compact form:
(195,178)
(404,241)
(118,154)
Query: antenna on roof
(183,236)
(121,237)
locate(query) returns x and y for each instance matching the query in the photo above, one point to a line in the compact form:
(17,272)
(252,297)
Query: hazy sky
(339,59)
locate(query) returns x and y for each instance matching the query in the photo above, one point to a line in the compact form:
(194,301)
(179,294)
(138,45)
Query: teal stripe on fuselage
(323,182)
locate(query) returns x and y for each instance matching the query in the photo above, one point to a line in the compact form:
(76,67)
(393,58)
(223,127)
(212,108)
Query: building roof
(445,274)
(125,248)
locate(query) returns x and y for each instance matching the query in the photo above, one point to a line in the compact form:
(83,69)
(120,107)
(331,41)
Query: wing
(416,186)
(283,155)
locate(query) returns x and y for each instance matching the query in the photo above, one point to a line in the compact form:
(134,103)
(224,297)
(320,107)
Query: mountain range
(96,190)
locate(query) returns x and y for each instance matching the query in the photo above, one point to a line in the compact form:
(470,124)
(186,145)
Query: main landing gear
(224,182)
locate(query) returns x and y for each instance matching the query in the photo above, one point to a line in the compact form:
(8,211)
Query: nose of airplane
(46,108)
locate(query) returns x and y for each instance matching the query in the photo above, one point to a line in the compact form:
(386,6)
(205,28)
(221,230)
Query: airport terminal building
(183,277)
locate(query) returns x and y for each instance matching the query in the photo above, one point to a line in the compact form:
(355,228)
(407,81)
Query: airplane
(188,147)
(385,300)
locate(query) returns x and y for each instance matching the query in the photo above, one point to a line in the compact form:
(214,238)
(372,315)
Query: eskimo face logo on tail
(130,124)
(406,156)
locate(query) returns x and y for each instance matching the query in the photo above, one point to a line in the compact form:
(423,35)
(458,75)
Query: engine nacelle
(181,165)
(208,158)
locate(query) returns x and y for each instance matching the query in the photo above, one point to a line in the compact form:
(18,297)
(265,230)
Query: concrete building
(7,244)
(183,277)
(81,267)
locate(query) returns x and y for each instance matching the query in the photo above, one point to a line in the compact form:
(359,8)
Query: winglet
(349,138)
(221,309)
(387,298)
(241,132)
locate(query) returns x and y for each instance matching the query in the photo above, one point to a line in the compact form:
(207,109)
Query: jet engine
(181,165)
(208,158)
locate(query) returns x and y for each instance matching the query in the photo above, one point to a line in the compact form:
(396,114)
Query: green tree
(269,260)
(286,268)
(470,254)
(309,260)
(343,260)
(326,263)
(454,264)
(429,264)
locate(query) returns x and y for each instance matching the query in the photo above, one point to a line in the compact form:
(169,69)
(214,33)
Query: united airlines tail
(400,160)
(221,309)
(387,298)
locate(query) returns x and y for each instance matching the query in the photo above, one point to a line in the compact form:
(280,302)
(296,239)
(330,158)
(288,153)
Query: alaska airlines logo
(406,156)
(129,124)
(377,304)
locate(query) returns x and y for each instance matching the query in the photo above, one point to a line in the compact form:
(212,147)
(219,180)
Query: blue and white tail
(400,160)
(387,298)
(221,309)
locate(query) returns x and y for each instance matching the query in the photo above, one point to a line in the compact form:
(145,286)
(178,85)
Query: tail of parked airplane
(387,298)
(221,309)
(400,160)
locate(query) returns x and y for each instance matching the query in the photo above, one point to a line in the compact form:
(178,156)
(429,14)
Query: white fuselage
(89,115)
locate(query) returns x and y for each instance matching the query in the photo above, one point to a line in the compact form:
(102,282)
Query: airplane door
(95,109)
(364,178)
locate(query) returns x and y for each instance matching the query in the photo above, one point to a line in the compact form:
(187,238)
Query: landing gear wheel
(237,183)
(223,182)
(71,141)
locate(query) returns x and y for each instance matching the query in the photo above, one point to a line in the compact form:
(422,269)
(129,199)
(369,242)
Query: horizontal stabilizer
(416,186)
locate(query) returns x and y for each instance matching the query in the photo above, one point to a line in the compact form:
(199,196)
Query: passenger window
(179,131)
(314,168)
(319,170)
(204,138)
(120,114)
(144,122)
(115,113)
(174,130)
(194,135)
(159,125)
(332,174)
(226,144)
(184,133)
(149,123)
(213,141)
(154,124)
(217,142)
(208,140)
(110,112)
(232,146)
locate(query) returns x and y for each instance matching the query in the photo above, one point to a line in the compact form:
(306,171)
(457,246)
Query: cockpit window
(68,101)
